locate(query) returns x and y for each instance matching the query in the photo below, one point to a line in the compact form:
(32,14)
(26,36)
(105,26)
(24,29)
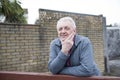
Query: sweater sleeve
(57,59)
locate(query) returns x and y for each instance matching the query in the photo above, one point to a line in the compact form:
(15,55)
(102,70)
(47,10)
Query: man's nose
(63,30)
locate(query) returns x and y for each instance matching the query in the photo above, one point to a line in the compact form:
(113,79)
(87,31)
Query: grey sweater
(81,58)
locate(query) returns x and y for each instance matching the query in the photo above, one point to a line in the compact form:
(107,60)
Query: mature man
(70,53)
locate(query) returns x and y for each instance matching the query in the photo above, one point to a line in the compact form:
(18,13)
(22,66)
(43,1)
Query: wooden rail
(5,75)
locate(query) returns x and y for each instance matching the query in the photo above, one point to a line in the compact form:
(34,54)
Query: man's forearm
(58,63)
(78,71)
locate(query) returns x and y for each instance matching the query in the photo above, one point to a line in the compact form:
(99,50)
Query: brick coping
(10,75)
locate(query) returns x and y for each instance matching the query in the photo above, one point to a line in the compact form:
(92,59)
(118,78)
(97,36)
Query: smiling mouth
(63,36)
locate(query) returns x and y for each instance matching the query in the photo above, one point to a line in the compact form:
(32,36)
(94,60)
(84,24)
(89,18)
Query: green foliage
(12,11)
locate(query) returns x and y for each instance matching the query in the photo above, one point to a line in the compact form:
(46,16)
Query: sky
(108,8)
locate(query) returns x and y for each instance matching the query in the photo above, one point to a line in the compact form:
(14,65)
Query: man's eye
(67,28)
(60,29)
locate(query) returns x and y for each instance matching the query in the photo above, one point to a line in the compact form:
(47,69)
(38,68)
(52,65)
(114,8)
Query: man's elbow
(52,70)
(93,72)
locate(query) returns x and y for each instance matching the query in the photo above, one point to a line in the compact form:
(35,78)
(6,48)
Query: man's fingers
(70,37)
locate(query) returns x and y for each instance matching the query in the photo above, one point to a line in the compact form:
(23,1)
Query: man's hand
(67,43)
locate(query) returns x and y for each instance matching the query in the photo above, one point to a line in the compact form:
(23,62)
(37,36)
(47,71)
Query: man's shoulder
(55,41)
(83,38)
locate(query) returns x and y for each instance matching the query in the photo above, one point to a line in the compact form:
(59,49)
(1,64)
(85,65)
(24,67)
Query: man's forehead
(63,24)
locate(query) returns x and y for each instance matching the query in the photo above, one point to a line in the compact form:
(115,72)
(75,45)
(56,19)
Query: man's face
(64,30)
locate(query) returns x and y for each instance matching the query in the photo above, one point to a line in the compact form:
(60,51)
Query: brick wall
(91,26)
(20,48)
(26,47)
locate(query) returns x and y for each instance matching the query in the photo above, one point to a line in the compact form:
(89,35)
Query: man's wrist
(65,52)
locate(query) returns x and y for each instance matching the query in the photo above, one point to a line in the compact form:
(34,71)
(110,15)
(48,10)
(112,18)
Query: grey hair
(69,19)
